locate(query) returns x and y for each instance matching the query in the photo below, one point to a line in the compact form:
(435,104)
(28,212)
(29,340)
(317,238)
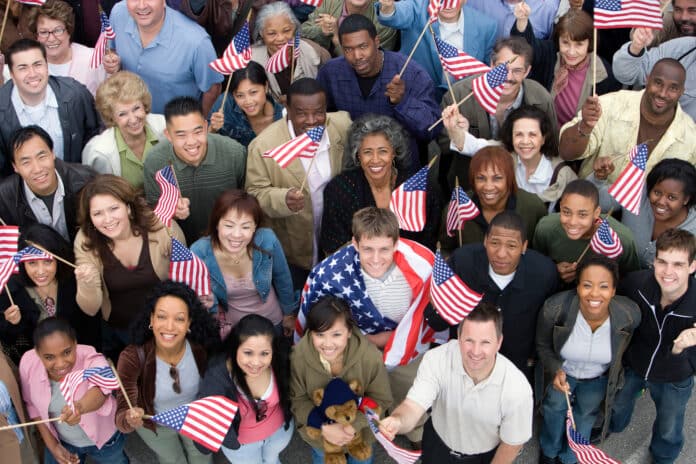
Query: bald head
(671,69)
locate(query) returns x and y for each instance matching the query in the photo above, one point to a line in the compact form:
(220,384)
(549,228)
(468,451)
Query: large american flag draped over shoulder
(398,454)
(107,33)
(408,201)
(237,54)
(205,421)
(461,209)
(340,275)
(451,296)
(304,145)
(188,268)
(169,195)
(616,14)
(458,63)
(488,87)
(605,241)
(281,58)
(627,189)
(584,451)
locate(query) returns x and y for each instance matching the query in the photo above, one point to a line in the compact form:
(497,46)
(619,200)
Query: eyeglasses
(57,32)
(174,374)
(261,410)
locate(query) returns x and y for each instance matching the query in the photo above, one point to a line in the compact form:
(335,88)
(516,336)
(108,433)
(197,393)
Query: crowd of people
(312,276)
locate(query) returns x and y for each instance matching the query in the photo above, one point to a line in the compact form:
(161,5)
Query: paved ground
(629,447)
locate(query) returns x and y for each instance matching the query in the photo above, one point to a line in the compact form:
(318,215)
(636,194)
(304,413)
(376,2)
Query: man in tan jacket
(293,196)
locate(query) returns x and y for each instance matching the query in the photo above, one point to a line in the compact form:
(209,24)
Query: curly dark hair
(142,218)
(203,330)
(254,325)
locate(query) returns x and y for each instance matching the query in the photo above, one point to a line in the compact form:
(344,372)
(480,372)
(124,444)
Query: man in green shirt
(205,164)
(564,236)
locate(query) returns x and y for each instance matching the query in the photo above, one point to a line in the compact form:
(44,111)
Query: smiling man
(43,189)
(384,281)
(205,165)
(63,107)
(511,276)
(608,126)
(661,357)
(293,196)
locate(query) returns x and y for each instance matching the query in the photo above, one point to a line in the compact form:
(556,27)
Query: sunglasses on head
(261,410)
(174,374)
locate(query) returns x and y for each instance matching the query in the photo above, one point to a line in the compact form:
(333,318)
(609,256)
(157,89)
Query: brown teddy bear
(338,402)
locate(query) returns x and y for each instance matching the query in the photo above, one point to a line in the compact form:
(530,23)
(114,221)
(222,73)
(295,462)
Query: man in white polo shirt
(481,403)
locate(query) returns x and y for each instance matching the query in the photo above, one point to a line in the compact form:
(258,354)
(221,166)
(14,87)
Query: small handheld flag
(107,33)
(398,454)
(606,242)
(205,421)
(408,201)
(169,196)
(488,88)
(461,209)
(452,297)
(628,187)
(281,59)
(237,55)
(31,253)
(457,63)
(584,451)
(617,14)
(304,146)
(188,268)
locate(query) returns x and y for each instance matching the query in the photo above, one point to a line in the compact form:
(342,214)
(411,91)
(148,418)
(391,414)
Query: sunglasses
(174,374)
(261,410)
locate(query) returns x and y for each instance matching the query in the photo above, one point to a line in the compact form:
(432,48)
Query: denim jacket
(269,267)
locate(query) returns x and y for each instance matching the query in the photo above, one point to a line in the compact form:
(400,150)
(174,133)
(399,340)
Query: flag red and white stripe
(451,296)
(314,3)
(237,55)
(461,209)
(205,421)
(107,33)
(398,454)
(188,268)
(584,451)
(280,60)
(32,2)
(169,195)
(488,87)
(606,241)
(456,62)
(68,386)
(304,145)
(9,245)
(617,14)
(408,201)
(628,187)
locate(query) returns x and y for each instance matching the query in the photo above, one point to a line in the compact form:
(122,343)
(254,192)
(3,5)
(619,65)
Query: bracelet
(582,134)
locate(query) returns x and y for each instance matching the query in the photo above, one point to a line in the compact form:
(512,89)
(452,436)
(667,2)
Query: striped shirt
(390,293)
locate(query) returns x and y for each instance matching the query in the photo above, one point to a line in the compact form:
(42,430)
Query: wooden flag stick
(413,50)
(459,229)
(4,19)
(120,384)
(65,261)
(433,125)
(594,62)
(176,179)
(582,255)
(432,161)
(292,61)
(306,177)
(147,416)
(570,410)
(449,84)
(9,295)
(27,424)
(2,222)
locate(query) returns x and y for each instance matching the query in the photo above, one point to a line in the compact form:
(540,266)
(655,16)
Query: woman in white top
(53,24)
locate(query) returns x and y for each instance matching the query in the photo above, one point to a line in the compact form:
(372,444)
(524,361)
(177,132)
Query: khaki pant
(401,379)
(172,448)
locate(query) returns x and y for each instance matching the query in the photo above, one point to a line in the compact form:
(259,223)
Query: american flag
(408,201)
(314,3)
(7,267)
(304,145)
(281,59)
(452,298)
(237,54)
(461,209)
(30,253)
(488,87)
(102,377)
(457,63)
(605,241)
(584,451)
(205,421)
(434,8)
(628,187)
(398,454)
(188,268)
(68,386)
(616,14)
(169,195)
(340,275)
(107,33)
(32,2)
(9,243)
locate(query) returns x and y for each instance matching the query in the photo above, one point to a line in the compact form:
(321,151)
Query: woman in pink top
(87,425)
(254,372)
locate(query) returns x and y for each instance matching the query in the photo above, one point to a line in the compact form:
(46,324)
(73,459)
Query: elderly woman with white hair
(377,160)
(276,25)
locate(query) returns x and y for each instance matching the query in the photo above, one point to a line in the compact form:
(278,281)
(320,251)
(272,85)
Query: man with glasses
(483,127)
(61,106)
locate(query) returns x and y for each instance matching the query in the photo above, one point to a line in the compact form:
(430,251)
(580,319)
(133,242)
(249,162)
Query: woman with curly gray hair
(377,160)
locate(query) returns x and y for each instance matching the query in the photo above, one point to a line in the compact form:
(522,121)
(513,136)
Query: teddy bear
(339,402)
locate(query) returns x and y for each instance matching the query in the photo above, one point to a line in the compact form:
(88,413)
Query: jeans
(110,453)
(262,451)
(587,396)
(670,403)
(318,457)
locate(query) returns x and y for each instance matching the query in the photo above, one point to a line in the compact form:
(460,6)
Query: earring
(189,330)
(149,326)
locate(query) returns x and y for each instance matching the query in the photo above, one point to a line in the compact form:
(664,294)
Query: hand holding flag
(398,454)
(107,33)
